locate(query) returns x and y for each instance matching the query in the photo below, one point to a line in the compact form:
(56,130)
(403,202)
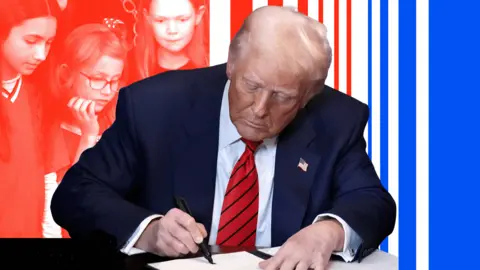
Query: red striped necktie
(238,220)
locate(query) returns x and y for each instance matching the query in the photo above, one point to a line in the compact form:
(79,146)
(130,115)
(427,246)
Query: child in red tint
(86,80)
(172,35)
(27,29)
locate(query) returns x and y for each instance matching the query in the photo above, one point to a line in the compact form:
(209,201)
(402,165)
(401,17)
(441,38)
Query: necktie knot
(251,144)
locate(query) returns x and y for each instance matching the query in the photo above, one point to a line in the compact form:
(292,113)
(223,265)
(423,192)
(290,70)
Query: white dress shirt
(230,148)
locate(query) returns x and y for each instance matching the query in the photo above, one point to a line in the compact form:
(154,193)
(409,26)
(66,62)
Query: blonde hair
(296,42)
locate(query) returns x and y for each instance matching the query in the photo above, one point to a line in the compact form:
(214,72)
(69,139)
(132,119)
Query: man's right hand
(173,235)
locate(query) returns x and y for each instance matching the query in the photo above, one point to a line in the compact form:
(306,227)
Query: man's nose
(260,105)
(40,53)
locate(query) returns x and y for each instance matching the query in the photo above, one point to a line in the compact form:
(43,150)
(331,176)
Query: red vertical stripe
(336,44)
(349,47)
(303,6)
(239,11)
(320,11)
(273,2)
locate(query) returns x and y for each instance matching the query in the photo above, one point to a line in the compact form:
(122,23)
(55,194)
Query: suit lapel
(291,183)
(196,152)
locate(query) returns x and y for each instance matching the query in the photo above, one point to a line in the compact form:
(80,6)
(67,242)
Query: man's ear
(229,69)
(199,14)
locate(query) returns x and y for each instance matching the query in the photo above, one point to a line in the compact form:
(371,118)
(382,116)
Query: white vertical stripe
(257,3)
(393,115)
(376,84)
(360,53)
(422,107)
(313,9)
(291,3)
(329,21)
(343,46)
(219,31)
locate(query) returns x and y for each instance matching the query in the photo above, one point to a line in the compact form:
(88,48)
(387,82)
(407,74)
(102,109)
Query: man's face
(263,100)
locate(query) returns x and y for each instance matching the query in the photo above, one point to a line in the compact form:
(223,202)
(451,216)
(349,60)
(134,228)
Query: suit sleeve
(92,195)
(360,198)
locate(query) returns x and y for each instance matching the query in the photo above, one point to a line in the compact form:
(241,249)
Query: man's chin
(251,133)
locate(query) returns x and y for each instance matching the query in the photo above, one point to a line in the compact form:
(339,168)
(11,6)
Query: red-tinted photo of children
(172,35)
(27,30)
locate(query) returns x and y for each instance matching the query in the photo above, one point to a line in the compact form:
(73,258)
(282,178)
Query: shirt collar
(228,131)
(11,88)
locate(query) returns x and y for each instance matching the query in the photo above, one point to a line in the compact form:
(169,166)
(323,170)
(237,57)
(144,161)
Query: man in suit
(264,153)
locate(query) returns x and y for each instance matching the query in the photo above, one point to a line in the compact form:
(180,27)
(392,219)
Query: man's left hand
(310,248)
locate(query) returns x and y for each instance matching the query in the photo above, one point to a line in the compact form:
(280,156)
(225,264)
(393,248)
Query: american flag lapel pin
(302,164)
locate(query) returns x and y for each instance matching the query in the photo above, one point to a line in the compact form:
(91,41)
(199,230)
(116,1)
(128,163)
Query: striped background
(367,43)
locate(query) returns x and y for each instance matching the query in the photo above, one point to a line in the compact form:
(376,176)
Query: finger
(184,236)
(71,102)
(189,223)
(179,247)
(174,246)
(272,263)
(202,229)
(319,266)
(91,110)
(302,265)
(76,107)
(78,103)
(163,247)
(83,109)
(264,264)
(276,261)
(289,264)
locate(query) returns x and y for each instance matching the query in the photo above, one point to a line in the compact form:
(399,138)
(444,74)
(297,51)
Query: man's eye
(252,86)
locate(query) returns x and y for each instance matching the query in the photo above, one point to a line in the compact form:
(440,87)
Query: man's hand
(310,248)
(173,235)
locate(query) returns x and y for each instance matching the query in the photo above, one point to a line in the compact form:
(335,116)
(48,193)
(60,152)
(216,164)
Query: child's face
(28,44)
(173,23)
(100,82)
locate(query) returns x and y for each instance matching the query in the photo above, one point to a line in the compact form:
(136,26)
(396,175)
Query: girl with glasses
(27,30)
(87,77)
(86,80)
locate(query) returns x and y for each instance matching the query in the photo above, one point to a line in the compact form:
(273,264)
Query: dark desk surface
(73,254)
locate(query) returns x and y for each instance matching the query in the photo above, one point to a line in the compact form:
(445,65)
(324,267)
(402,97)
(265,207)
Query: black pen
(182,205)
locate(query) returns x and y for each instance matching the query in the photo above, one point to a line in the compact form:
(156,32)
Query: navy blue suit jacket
(164,143)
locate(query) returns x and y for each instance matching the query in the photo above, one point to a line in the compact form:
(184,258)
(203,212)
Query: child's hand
(84,111)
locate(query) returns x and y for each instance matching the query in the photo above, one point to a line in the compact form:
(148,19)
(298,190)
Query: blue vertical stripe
(454,99)
(370,77)
(384,100)
(407,134)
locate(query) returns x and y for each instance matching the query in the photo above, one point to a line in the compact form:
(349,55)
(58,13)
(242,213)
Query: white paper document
(231,261)
(243,260)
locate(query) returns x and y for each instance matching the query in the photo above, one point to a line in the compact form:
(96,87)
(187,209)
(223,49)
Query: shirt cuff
(128,247)
(352,239)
